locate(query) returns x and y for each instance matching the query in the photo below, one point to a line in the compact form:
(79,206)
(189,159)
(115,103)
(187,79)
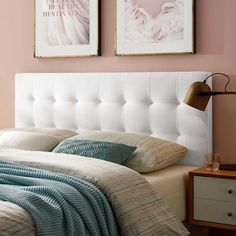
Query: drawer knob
(229,214)
(230,191)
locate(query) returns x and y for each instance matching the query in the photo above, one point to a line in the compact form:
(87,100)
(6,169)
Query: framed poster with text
(66,28)
(146,27)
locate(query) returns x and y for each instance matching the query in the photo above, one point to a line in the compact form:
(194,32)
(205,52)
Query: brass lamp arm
(214,93)
(226,85)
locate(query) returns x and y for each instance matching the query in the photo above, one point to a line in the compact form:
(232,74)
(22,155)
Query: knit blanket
(59,204)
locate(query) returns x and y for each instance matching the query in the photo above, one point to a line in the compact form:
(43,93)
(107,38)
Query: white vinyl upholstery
(144,102)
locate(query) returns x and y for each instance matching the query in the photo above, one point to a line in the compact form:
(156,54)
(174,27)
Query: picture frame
(147,27)
(67,28)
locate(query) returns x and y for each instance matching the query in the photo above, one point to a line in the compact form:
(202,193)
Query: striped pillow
(151,153)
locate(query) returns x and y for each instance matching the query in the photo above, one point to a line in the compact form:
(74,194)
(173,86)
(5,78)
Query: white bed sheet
(171,184)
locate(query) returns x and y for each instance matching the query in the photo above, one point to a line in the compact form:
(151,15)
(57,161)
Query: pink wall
(216,50)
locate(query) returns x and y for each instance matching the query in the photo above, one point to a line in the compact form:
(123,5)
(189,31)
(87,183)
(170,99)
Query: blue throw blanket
(59,204)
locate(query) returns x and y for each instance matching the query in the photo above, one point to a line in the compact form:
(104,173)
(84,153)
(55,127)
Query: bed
(148,103)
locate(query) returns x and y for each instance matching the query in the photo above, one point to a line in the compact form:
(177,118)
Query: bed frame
(149,102)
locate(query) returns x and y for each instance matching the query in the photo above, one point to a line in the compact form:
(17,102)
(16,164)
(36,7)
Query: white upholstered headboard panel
(129,102)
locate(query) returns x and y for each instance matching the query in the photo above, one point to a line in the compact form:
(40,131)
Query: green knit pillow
(113,152)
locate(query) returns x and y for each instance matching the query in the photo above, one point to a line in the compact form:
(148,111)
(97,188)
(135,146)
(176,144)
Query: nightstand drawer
(215,188)
(215,211)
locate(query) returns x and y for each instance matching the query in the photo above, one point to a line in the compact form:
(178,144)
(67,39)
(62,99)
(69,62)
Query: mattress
(171,184)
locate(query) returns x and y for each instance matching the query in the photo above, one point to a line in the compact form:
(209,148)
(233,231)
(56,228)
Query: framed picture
(154,27)
(66,28)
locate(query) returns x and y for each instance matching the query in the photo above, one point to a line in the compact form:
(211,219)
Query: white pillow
(57,133)
(28,141)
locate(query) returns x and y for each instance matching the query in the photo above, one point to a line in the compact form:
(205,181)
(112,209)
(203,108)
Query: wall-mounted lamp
(198,97)
(200,93)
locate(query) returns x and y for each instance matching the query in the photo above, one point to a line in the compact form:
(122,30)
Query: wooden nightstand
(212,199)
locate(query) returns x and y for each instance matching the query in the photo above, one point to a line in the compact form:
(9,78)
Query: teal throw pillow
(113,152)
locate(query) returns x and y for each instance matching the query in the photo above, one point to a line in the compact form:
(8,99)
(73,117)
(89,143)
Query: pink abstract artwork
(154,26)
(66,28)
(154,21)
(66,22)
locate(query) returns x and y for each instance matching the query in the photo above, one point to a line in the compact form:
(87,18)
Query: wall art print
(154,27)
(66,28)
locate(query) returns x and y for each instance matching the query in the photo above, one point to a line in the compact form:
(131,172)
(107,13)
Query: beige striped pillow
(151,153)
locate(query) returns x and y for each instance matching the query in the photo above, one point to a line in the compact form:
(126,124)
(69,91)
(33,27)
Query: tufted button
(75,100)
(31,98)
(230,191)
(229,214)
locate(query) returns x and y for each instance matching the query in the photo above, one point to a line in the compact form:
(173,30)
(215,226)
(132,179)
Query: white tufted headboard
(148,103)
